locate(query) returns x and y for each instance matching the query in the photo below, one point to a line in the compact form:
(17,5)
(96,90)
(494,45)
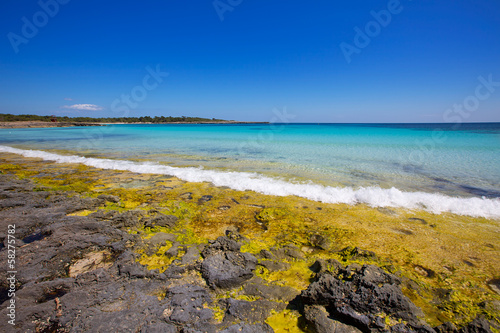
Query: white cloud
(68,99)
(84,107)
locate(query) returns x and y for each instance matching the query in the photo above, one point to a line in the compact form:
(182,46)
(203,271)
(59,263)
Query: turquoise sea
(438,167)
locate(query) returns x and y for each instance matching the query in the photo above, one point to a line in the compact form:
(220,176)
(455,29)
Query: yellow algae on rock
(445,260)
(286,321)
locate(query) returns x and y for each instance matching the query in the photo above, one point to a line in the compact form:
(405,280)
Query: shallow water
(414,166)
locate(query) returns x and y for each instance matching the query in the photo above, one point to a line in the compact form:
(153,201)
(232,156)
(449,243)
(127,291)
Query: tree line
(147,119)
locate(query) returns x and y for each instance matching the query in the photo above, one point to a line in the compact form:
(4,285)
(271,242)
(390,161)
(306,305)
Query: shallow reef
(195,254)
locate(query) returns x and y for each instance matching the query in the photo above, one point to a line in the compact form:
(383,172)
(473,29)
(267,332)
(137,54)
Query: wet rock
(287,252)
(270,292)
(355,295)
(266,254)
(494,284)
(492,306)
(77,203)
(191,256)
(174,250)
(319,241)
(478,325)
(442,295)
(109,198)
(161,220)
(221,244)
(329,265)
(233,232)
(318,319)
(387,211)
(274,266)
(355,253)
(403,231)
(186,196)
(416,219)
(160,239)
(228,270)
(77,273)
(204,199)
(468,263)
(446,328)
(427,272)
(252,312)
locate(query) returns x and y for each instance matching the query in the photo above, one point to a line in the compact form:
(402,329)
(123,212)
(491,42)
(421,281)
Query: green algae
(451,252)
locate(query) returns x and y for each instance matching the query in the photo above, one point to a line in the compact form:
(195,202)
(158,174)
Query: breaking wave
(373,196)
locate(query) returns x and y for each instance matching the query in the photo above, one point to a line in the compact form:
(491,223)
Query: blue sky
(423,58)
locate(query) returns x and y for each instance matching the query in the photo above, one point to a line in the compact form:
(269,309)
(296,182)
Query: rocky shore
(87,260)
(42,124)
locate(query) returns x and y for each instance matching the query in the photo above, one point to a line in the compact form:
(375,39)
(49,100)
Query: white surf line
(241,181)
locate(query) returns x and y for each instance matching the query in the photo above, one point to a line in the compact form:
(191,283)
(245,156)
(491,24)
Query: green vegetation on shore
(5,117)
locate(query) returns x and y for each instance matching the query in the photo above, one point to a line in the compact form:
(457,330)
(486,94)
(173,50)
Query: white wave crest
(373,196)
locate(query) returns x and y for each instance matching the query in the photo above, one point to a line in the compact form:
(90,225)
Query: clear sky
(322,60)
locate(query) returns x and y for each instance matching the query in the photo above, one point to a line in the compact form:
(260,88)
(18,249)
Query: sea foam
(373,196)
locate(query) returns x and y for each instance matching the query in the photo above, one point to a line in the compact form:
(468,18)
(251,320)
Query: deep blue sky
(263,55)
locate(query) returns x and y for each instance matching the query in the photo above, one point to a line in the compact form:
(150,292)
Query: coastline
(47,124)
(42,124)
(446,263)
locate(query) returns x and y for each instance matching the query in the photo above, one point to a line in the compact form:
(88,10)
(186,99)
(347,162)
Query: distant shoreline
(48,124)
(43,124)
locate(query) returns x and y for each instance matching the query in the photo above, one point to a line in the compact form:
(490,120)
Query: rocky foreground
(83,274)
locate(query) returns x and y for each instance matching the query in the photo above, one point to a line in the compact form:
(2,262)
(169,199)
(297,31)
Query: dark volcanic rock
(319,241)
(258,288)
(274,265)
(355,295)
(185,306)
(228,270)
(109,198)
(252,312)
(478,325)
(220,245)
(248,328)
(130,218)
(161,220)
(318,318)
(102,214)
(204,199)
